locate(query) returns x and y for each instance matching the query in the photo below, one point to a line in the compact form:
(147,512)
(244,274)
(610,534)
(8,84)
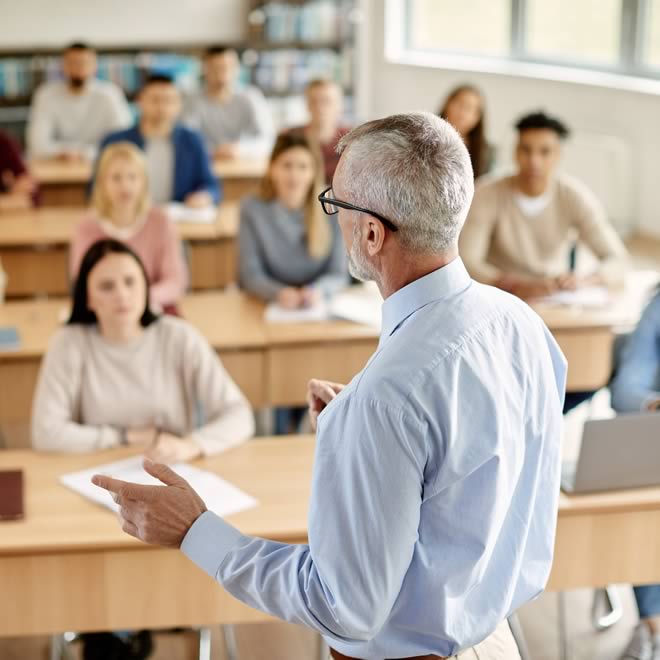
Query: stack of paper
(219,495)
(277,314)
(590,296)
(177,212)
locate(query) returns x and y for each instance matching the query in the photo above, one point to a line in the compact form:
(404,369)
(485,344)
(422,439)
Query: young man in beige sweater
(521,228)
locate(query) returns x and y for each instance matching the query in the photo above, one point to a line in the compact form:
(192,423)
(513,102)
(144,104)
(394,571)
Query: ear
(374,234)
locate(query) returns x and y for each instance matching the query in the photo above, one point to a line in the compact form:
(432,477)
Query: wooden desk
(65,184)
(71,551)
(34,248)
(273,362)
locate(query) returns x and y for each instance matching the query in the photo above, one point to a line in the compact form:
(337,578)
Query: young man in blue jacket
(177,160)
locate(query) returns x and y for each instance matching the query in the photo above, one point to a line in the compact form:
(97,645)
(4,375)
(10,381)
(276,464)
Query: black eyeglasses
(331,206)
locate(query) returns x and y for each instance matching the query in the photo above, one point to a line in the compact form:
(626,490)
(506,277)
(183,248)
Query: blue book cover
(9,338)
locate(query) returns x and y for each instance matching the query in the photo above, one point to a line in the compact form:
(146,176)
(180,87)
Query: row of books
(289,71)
(277,71)
(316,21)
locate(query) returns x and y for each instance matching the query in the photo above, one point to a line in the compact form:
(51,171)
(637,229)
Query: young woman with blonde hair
(122,210)
(289,251)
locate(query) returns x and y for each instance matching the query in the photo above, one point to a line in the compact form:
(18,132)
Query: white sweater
(90,389)
(60,120)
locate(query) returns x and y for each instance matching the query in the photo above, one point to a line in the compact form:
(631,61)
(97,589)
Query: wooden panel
(237,189)
(594,550)
(63,194)
(36,271)
(112,591)
(18,380)
(589,356)
(247,369)
(290,368)
(212,264)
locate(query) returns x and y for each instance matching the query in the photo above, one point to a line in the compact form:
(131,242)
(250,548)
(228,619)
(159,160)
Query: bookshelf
(287,43)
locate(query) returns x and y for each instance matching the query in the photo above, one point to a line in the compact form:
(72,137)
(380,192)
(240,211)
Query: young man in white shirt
(69,117)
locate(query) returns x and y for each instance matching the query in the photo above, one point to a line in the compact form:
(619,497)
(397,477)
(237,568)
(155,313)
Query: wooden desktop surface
(68,550)
(56,226)
(273,362)
(52,171)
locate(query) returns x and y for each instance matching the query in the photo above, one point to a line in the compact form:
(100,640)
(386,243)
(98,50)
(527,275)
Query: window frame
(631,63)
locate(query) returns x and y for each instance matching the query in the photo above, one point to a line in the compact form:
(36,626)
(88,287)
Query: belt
(338,656)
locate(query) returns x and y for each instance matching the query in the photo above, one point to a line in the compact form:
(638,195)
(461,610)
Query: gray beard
(358,266)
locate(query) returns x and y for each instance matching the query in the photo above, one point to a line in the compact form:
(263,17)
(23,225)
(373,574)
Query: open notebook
(219,495)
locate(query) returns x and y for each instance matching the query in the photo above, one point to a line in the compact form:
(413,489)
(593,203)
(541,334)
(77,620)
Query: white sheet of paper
(360,304)
(276,314)
(590,296)
(219,495)
(178,212)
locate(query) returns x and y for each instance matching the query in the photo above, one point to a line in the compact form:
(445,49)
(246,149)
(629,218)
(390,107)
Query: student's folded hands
(169,448)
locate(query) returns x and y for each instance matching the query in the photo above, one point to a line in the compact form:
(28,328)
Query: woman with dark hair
(289,251)
(117,374)
(465,110)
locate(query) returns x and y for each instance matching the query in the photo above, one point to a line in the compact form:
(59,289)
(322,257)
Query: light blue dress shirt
(637,381)
(435,484)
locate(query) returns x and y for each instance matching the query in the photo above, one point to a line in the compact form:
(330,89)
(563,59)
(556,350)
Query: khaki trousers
(499,646)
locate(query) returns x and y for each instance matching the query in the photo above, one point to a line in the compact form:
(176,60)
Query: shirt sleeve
(57,400)
(170,284)
(252,274)
(11,159)
(260,131)
(207,181)
(636,382)
(227,416)
(41,129)
(476,236)
(363,522)
(597,233)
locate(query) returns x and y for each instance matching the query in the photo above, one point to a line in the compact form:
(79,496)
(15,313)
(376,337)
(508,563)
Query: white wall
(52,23)
(631,117)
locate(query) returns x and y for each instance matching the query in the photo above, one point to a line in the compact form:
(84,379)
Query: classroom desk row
(68,550)
(272,363)
(34,247)
(65,183)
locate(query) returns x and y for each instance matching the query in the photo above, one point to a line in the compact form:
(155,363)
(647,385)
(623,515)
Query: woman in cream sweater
(117,374)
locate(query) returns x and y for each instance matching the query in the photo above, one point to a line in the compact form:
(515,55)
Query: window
(652,41)
(475,26)
(570,30)
(617,36)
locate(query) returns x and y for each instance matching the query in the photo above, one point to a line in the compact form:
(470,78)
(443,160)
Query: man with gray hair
(436,479)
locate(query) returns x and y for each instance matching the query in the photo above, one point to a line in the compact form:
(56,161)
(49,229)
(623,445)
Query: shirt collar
(438,284)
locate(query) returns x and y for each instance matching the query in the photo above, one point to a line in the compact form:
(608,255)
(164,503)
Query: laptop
(618,453)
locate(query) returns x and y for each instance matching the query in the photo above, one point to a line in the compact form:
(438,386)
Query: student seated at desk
(121,209)
(325,103)
(635,388)
(117,374)
(18,190)
(465,110)
(521,229)
(68,117)
(234,122)
(289,251)
(177,161)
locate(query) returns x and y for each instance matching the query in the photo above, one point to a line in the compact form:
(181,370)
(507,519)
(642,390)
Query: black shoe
(140,645)
(103,646)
